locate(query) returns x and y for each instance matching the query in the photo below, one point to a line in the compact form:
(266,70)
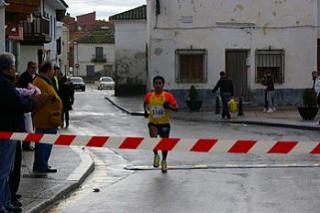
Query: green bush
(309,98)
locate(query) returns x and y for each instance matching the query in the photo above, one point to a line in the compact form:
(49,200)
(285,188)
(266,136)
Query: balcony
(37,32)
(99,59)
(19,9)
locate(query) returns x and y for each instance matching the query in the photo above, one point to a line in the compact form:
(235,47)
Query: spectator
(269,93)
(67,96)
(314,78)
(317,87)
(24,80)
(47,118)
(56,78)
(14,179)
(11,113)
(226,92)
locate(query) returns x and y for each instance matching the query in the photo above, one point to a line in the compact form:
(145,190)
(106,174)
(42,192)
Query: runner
(157,107)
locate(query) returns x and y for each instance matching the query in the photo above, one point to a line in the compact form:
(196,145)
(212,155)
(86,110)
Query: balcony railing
(99,59)
(37,32)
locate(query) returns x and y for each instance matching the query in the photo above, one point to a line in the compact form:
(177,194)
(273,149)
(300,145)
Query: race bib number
(158,111)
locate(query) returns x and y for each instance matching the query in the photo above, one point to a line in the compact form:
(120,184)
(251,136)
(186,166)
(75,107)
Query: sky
(103,8)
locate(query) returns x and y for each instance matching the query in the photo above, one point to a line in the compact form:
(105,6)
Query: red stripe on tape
(242,146)
(203,145)
(97,141)
(131,143)
(65,140)
(166,144)
(34,137)
(316,150)
(282,147)
(5,135)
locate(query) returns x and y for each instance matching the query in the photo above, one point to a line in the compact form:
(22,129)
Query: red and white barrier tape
(171,144)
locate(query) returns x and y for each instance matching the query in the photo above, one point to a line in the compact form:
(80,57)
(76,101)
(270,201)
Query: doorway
(236,70)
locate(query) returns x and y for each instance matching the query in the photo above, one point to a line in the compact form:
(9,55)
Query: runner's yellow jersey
(154,101)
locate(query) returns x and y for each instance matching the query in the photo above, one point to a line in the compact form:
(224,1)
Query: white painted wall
(2,28)
(214,26)
(65,49)
(27,53)
(130,51)
(52,46)
(83,54)
(62,59)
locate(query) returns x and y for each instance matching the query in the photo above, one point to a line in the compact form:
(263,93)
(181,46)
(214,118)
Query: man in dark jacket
(12,108)
(269,93)
(66,94)
(23,82)
(226,92)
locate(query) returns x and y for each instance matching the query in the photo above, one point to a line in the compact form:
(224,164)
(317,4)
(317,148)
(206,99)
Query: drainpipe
(2,26)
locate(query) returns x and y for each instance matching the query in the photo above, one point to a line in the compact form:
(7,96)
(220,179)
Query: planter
(308,113)
(194,106)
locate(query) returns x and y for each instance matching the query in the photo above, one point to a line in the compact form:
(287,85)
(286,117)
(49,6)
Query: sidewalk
(39,191)
(282,117)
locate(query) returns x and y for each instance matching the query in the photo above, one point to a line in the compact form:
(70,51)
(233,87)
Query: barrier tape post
(171,144)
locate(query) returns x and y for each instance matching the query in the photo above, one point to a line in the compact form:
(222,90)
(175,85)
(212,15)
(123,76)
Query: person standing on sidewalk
(67,97)
(56,79)
(226,92)
(47,118)
(12,108)
(317,88)
(24,80)
(314,78)
(157,107)
(269,92)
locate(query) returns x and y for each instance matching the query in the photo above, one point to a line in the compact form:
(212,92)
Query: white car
(106,82)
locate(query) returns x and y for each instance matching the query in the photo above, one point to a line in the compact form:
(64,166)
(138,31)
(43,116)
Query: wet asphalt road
(219,189)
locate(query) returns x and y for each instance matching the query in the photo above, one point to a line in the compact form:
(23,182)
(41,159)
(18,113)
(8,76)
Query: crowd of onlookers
(38,100)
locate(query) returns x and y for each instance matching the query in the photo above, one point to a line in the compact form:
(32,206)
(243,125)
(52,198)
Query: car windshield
(76,80)
(106,79)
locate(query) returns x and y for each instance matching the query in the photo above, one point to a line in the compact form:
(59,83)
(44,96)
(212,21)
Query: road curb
(291,126)
(118,106)
(225,166)
(84,169)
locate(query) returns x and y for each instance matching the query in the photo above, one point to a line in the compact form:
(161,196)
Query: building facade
(190,42)
(130,51)
(93,59)
(40,38)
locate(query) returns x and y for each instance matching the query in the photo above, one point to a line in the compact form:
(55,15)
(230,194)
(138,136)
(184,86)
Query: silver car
(106,82)
(78,83)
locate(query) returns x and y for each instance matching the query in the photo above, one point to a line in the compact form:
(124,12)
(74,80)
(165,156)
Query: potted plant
(193,101)
(310,109)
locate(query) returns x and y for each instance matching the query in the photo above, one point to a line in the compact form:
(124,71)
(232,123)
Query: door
(236,69)
(90,70)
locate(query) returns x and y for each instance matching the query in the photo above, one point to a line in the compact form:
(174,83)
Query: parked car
(106,82)
(78,83)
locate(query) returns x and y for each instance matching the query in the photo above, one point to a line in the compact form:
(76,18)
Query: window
(191,65)
(58,46)
(99,52)
(270,60)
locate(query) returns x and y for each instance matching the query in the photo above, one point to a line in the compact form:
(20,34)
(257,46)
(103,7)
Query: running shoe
(156,161)
(164,167)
